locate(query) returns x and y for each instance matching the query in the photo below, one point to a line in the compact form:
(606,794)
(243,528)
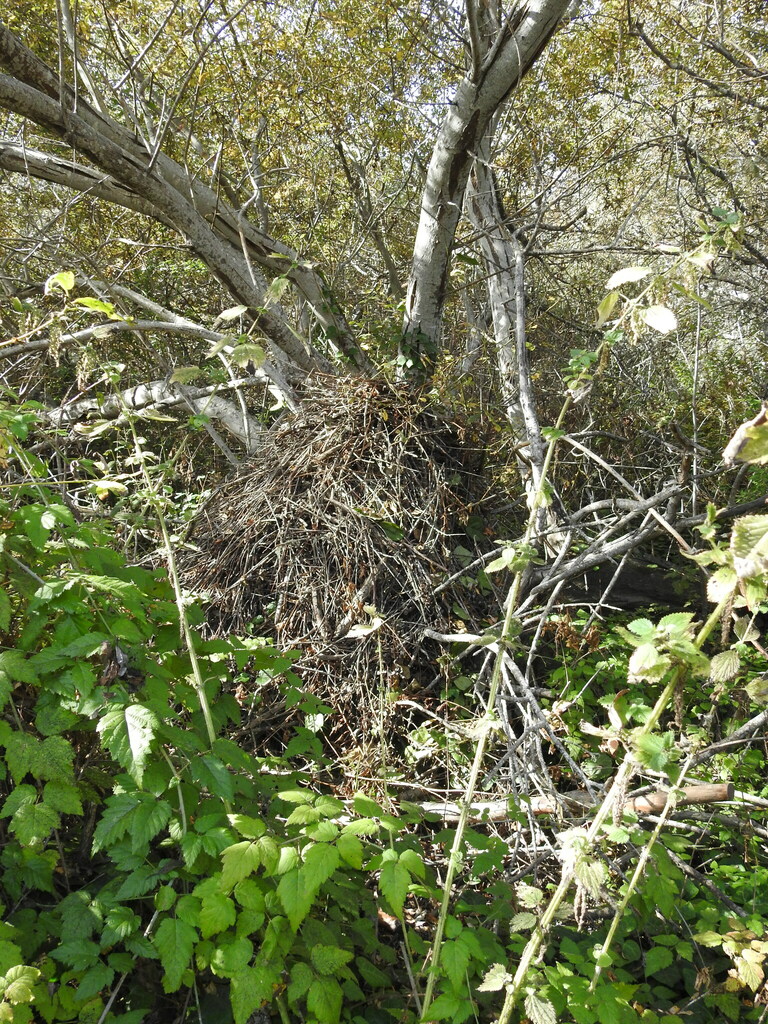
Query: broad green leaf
(529,895)
(239,861)
(33,823)
(128,733)
(174,940)
(296,896)
(250,828)
(149,819)
(523,922)
(251,987)
(15,666)
(216,914)
(394,881)
(656,959)
(329,959)
(64,280)
(242,355)
(302,977)
(757,689)
(184,374)
(448,1005)
(455,960)
(641,627)
(232,954)
(97,305)
(324,1000)
(62,796)
(351,850)
(626,276)
(53,759)
(606,307)
(5,611)
(539,1009)
(749,544)
(18,797)
(660,318)
(94,981)
(19,982)
(320,861)
(212,774)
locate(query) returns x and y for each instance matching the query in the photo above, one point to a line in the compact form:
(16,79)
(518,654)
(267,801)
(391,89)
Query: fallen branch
(578,803)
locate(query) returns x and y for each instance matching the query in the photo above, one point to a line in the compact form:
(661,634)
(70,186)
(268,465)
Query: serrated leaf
(455,960)
(302,977)
(239,861)
(660,318)
(97,305)
(97,978)
(212,774)
(751,974)
(626,276)
(33,823)
(296,896)
(647,663)
(115,820)
(62,796)
(592,874)
(53,759)
(394,882)
(351,850)
(750,442)
(539,1009)
(528,895)
(250,828)
(242,355)
(641,627)
(724,666)
(721,584)
(496,978)
(128,733)
(749,544)
(329,959)
(656,959)
(523,921)
(174,940)
(5,611)
(217,913)
(320,861)
(757,689)
(230,957)
(324,1000)
(276,290)
(19,982)
(251,987)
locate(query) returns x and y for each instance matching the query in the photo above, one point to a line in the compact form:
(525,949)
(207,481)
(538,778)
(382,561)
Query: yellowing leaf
(606,307)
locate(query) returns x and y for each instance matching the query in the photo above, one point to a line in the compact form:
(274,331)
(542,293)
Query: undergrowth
(156,869)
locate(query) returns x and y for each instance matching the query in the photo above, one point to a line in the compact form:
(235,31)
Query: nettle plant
(147,855)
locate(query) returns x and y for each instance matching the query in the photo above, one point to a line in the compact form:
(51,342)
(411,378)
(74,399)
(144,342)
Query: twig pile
(348,517)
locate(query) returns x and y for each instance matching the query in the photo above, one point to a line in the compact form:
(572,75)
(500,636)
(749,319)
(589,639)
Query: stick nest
(339,536)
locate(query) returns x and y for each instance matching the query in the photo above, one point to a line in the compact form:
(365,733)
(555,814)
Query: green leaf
(250,828)
(455,960)
(94,981)
(320,861)
(232,955)
(757,689)
(14,665)
(174,940)
(655,751)
(149,819)
(394,881)
(351,850)
(749,544)
(251,987)
(539,1009)
(18,984)
(5,612)
(329,959)
(184,374)
(239,861)
(447,1005)
(296,896)
(523,922)
(656,959)
(641,627)
(210,773)
(324,1000)
(750,442)
(606,307)
(216,914)
(302,977)
(242,355)
(528,895)
(232,313)
(62,796)
(64,280)
(95,304)
(54,758)
(128,733)
(33,823)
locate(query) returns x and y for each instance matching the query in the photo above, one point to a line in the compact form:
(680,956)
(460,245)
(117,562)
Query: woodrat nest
(357,503)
